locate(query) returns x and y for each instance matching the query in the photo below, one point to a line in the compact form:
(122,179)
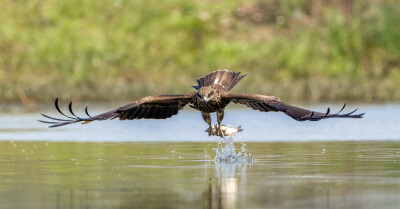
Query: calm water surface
(169,164)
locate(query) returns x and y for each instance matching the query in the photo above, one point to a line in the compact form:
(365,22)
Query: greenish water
(338,174)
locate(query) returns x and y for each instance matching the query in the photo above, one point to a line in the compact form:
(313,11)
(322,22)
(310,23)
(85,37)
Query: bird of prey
(212,94)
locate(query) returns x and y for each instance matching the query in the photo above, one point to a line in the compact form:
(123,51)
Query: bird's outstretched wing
(152,107)
(271,103)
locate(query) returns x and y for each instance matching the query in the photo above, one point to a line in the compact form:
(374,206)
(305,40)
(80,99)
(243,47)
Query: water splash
(226,152)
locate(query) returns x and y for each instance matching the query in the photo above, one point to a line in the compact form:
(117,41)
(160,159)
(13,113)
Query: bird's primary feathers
(212,95)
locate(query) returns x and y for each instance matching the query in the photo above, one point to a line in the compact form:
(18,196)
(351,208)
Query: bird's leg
(207,119)
(220,117)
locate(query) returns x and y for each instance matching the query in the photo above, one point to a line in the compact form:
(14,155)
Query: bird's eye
(211,93)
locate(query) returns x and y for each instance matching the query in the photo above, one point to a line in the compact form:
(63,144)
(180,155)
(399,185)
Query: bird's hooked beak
(206,99)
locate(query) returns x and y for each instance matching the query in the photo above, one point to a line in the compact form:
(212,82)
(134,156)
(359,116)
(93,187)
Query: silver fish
(227,130)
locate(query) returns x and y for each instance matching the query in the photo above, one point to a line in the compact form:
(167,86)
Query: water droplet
(226,152)
(23,150)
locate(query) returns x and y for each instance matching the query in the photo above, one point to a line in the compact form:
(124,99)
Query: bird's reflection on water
(224,186)
(226,190)
(228,187)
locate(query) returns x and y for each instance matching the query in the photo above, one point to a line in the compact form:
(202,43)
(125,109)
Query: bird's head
(205,93)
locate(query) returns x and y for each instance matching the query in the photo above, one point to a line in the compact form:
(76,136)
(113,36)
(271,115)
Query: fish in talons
(224,130)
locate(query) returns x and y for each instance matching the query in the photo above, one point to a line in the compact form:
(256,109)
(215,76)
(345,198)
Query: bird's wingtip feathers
(61,122)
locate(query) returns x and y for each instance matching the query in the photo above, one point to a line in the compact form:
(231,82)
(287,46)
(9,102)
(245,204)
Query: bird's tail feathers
(226,78)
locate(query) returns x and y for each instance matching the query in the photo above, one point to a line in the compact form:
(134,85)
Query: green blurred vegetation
(105,50)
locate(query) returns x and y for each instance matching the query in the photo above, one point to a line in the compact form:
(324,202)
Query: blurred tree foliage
(122,49)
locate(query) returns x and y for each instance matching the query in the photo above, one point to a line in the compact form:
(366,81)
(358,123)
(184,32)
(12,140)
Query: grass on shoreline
(118,50)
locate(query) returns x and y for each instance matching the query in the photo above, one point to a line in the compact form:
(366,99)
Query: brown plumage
(212,95)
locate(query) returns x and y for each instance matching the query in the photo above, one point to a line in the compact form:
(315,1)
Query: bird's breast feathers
(213,105)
